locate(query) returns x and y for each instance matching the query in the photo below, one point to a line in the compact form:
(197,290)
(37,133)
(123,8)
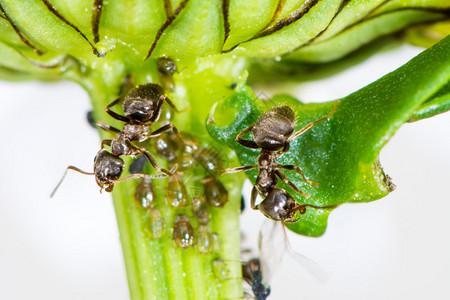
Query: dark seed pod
(183,233)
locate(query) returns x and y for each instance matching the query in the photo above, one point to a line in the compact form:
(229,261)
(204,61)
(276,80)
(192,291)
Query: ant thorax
(136,133)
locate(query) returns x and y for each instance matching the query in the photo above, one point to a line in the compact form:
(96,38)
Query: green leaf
(341,154)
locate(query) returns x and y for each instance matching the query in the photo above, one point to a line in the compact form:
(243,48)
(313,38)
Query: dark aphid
(183,233)
(166,66)
(138,164)
(272,134)
(252,274)
(91,119)
(155,223)
(242,204)
(107,171)
(215,193)
(177,195)
(144,194)
(200,209)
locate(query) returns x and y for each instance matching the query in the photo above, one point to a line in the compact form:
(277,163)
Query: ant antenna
(64,176)
(304,258)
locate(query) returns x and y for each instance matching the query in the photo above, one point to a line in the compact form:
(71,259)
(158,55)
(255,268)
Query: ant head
(279,205)
(107,167)
(273,128)
(143,104)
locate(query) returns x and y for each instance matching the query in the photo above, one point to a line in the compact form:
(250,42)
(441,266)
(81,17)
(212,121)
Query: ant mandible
(272,133)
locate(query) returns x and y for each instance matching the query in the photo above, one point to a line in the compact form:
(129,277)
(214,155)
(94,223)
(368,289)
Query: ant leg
(64,176)
(302,208)
(171,104)
(107,127)
(246,143)
(288,182)
(308,126)
(164,129)
(152,161)
(299,171)
(139,175)
(174,129)
(238,169)
(114,114)
(253,198)
(106,142)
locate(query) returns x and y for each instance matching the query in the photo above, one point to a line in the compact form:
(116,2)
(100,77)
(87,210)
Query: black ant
(107,171)
(142,107)
(272,133)
(252,274)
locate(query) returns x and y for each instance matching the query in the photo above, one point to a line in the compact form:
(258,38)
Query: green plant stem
(156,268)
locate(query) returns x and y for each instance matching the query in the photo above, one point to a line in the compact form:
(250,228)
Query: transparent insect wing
(272,246)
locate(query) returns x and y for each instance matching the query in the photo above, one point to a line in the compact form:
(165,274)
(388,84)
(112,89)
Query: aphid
(183,233)
(138,164)
(90,118)
(176,192)
(252,274)
(210,160)
(155,224)
(144,194)
(166,146)
(204,240)
(272,134)
(107,171)
(200,209)
(242,204)
(215,193)
(166,66)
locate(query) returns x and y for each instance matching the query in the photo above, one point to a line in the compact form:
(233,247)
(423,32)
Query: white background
(68,247)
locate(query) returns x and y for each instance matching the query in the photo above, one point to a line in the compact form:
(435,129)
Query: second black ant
(272,133)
